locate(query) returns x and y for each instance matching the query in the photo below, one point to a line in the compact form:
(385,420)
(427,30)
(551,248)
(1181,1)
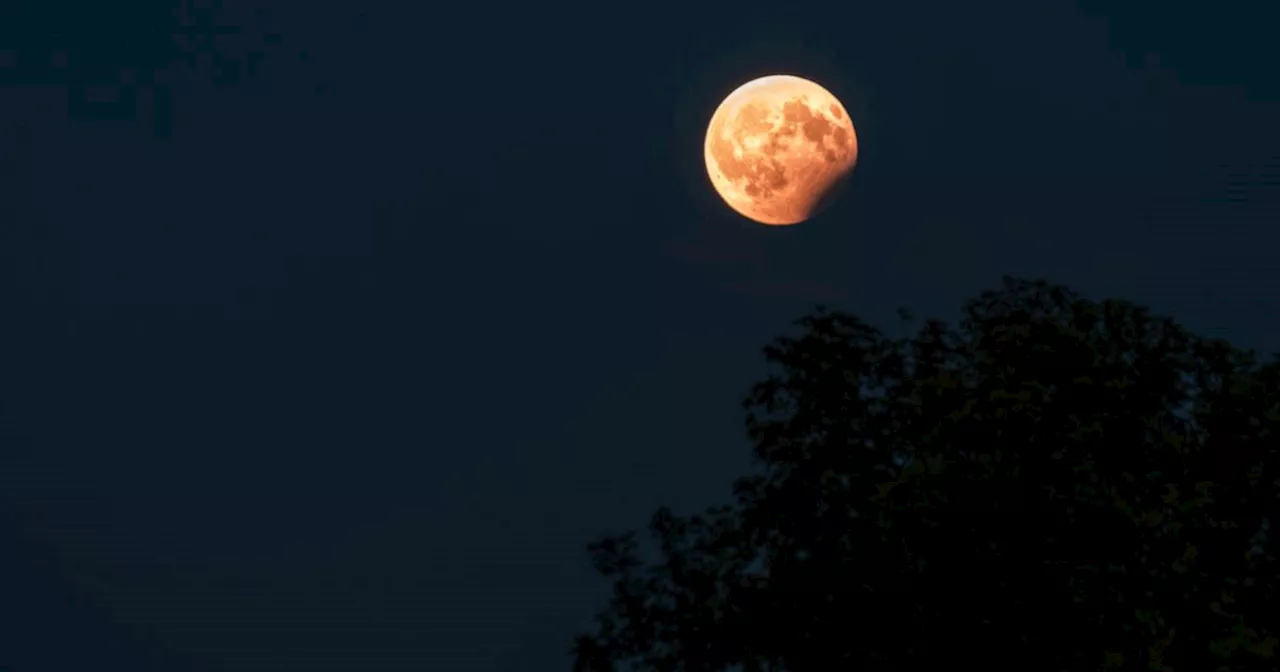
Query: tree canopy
(103,52)
(1054,483)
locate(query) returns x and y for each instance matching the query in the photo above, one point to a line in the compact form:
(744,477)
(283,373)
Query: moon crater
(777,146)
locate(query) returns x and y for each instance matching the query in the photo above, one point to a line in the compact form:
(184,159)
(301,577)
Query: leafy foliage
(1056,483)
(102,53)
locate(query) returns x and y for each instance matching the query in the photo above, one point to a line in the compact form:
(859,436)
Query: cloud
(718,252)
(791,289)
(742,265)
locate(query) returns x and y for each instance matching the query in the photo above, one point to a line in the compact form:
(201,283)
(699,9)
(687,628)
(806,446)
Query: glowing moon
(778,147)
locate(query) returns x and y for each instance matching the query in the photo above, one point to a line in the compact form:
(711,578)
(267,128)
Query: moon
(778,148)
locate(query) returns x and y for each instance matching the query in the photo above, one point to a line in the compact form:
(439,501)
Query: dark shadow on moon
(831,195)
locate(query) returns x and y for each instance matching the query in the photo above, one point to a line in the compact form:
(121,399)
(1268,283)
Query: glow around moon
(778,147)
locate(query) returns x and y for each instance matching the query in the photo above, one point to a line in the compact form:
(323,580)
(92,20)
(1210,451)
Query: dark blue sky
(341,366)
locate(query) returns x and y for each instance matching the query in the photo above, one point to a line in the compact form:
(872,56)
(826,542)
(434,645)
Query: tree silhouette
(1056,484)
(104,53)
(1231,45)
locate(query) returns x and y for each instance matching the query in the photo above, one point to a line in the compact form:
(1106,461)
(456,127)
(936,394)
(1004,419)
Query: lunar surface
(778,147)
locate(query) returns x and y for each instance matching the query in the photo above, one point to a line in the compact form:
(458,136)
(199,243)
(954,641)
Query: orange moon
(778,147)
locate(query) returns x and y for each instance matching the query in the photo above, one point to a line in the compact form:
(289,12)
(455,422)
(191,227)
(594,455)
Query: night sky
(341,365)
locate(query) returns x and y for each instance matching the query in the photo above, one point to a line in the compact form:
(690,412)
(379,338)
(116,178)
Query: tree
(1226,47)
(103,53)
(1056,484)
